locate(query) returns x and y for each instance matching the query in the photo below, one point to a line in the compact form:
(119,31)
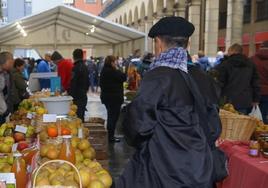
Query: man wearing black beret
(162,122)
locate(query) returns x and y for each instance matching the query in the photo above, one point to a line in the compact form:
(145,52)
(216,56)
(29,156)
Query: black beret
(172,26)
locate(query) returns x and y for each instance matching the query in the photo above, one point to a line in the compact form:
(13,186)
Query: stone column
(148,25)
(142,26)
(211,27)
(252,47)
(156,18)
(194,18)
(234,29)
(181,11)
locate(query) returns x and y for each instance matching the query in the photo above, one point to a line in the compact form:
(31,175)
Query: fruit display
(261,127)
(73,110)
(130,95)
(65,126)
(230,108)
(82,149)
(6,144)
(6,163)
(57,174)
(7,129)
(39,141)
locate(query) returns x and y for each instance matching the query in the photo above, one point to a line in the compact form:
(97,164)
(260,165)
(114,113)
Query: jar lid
(66,136)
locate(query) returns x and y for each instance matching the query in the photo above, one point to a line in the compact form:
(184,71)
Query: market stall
(45,144)
(65,28)
(244,140)
(244,171)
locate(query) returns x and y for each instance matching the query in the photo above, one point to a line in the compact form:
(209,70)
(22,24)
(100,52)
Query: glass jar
(254,148)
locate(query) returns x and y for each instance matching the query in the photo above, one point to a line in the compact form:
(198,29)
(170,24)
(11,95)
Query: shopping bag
(256,112)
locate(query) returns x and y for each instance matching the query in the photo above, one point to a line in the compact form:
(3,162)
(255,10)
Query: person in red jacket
(64,67)
(261,61)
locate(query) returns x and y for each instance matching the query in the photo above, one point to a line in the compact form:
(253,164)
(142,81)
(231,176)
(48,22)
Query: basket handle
(55,161)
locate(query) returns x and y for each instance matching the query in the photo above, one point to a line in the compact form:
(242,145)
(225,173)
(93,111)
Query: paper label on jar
(9,178)
(253,152)
(14,147)
(50,118)
(80,133)
(21,129)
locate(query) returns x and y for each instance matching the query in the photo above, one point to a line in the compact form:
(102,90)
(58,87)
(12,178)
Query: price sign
(9,178)
(49,118)
(21,129)
(80,133)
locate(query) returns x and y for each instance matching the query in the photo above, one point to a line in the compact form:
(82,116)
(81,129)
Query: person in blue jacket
(42,67)
(203,61)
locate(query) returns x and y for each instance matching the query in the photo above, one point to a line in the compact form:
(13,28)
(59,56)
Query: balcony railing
(111,7)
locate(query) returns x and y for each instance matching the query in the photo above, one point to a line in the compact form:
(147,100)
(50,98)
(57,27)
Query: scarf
(175,58)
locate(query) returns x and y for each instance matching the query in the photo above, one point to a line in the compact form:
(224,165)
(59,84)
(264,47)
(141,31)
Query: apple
(19,137)
(22,145)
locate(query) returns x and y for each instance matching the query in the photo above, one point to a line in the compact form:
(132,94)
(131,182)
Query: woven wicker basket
(236,127)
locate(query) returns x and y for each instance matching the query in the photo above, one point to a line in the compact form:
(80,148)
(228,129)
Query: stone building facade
(219,23)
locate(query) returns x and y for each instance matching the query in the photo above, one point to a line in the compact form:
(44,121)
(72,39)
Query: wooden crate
(96,120)
(99,139)
(104,164)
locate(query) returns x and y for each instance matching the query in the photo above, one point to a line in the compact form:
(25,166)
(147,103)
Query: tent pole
(55,37)
(146,43)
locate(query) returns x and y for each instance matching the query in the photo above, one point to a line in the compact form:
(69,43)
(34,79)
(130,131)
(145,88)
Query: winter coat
(208,88)
(3,105)
(239,81)
(7,88)
(161,122)
(204,63)
(261,61)
(111,83)
(43,66)
(19,86)
(79,81)
(65,67)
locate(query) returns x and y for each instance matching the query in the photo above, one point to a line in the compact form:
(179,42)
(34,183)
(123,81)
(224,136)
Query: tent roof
(69,18)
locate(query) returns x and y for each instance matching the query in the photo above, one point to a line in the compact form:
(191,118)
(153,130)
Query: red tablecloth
(244,171)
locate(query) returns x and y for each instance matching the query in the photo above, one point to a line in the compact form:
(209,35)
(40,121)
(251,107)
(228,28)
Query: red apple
(19,137)
(22,145)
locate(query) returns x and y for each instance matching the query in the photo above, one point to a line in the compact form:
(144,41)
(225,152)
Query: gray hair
(175,41)
(4,56)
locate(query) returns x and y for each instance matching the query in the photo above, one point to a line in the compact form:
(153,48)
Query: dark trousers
(81,108)
(113,110)
(92,82)
(2,119)
(244,111)
(264,108)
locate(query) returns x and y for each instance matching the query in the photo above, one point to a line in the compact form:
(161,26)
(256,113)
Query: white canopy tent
(65,28)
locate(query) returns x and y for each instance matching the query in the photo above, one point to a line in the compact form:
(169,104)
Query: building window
(223,14)
(4,4)
(68,2)
(90,1)
(247,11)
(4,19)
(262,9)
